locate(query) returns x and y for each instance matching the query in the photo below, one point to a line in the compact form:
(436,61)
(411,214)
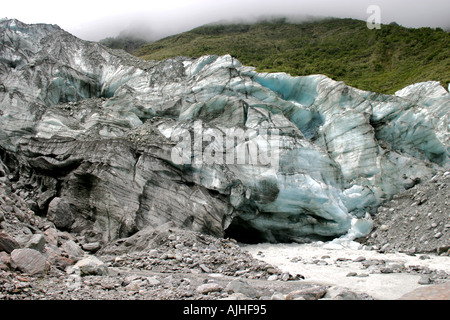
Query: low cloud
(151,20)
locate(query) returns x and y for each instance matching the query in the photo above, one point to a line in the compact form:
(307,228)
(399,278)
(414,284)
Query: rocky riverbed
(383,276)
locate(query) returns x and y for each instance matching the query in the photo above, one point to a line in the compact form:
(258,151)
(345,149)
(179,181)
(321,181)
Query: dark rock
(45,198)
(386,270)
(61,213)
(443,250)
(7,243)
(359,259)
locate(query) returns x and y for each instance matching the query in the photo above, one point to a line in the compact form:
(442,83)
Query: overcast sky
(95,20)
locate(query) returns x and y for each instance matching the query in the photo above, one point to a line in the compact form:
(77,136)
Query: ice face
(318,155)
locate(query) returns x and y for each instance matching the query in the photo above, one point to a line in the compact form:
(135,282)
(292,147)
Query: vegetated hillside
(382,60)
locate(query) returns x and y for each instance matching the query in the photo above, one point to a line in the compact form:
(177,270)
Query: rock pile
(171,250)
(416,220)
(31,243)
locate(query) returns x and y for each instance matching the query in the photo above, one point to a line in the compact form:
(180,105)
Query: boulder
(312,293)
(55,258)
(60,213)
(92,246)
(242,287)
(44,198)
(36,242)
(30,261)
(73,250)
(51,236)
(91,266)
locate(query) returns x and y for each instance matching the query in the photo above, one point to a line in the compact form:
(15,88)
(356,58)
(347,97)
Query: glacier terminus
(91,134)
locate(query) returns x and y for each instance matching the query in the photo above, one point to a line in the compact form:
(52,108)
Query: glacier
(89,133)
